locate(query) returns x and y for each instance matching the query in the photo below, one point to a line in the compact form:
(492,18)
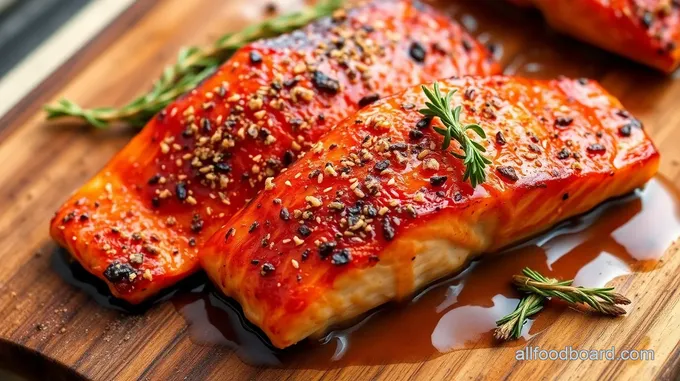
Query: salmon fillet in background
(140,223)
(377,210)
(647,31)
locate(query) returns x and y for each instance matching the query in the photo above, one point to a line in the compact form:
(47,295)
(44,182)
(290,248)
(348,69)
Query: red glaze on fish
(647,31)
(140,222)
(377,209)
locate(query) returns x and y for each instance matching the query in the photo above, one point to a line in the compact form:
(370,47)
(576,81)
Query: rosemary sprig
(473,158)
(510,326)
(602,299)
(538,288)
(194,64)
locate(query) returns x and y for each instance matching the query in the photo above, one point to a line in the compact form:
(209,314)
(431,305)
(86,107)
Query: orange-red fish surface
(647,31)
(140,223)
(377,209)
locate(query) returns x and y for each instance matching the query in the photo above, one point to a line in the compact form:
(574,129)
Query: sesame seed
(431,164)
(315,202)
(269,183)
(423,154)
(147,275)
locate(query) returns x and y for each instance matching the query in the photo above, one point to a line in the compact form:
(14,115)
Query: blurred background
(38,36)
(24,24)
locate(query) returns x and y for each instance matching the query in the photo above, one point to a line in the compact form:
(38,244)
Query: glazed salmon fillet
(647,31)
(139,224)
(377,209)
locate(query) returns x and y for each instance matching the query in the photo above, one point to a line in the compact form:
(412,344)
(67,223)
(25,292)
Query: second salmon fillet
(377,209)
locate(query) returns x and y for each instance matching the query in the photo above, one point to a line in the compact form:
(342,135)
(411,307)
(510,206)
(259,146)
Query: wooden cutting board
(41,163)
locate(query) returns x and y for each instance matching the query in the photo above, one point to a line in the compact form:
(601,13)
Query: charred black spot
(388,229)
(368,99)
(417,51)
(154,179)
(68,217)
(326,248)
(424,123)
(534,148)
(304,231)
(222,168)
(625,130)
(267,269)
(438,180)
(181,191)
(382,165)
(398,147)
(564,121)
(117,272)
(206,125)
(596,148)
(196,224)
(508,172)
(415,134)
(341,257)
(288,158)
(284,214)
(500,139)
(325,83)
(255,58)
(563,154)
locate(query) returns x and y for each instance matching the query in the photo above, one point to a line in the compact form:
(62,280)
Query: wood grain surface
(58,331)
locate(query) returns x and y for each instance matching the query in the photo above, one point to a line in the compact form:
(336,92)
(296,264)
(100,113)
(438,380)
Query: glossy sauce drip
(622,236)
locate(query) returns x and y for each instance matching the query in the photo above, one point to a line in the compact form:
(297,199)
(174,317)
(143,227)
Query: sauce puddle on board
(619,237)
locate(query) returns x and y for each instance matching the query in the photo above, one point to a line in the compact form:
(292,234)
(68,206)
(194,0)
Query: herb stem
(473,158)
(193,65)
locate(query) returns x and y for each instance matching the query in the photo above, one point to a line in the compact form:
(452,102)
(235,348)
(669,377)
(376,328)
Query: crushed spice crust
(212,151)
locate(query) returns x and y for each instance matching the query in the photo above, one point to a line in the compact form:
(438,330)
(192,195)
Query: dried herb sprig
(440,106)
(603,299)
(194,64)
(510,326)
(539,288)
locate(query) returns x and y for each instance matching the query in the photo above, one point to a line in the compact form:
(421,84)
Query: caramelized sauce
(619,237)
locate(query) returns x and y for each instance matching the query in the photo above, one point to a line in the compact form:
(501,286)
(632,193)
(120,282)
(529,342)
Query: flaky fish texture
(377,209)
(647,31)
(140,223)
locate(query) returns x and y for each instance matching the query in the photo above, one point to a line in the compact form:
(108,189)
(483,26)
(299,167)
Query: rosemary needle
(193,65)
(473,158)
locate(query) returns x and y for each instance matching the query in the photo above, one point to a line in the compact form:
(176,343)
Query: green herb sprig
(510,326)
(194,64)
(440,106)
(602,300)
